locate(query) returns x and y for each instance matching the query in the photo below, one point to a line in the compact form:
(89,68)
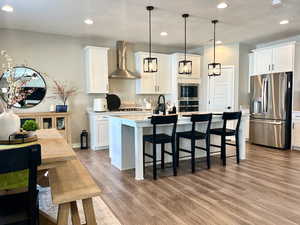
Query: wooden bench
(69,183)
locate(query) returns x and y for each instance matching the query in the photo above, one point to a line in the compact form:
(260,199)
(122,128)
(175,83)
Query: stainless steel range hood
(122,72)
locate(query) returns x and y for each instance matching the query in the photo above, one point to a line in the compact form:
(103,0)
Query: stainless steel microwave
(188,91)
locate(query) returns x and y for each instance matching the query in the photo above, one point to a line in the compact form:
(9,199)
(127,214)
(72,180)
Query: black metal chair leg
(174,163)
(193,155)
(144,145)
(177,150)
(162,156)
(208,152)
(223,149)
(237,141)
(154,162)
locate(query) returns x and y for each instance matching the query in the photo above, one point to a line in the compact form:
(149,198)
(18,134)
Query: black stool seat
(194,135)
(189,135)
(159,138)
(220,131)
(224,131)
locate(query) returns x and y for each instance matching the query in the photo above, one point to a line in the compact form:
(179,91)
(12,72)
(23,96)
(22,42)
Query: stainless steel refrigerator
(271,110)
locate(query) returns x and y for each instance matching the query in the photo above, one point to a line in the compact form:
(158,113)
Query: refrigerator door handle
(268,122)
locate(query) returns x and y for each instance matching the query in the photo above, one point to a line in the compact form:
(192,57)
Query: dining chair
(20,208)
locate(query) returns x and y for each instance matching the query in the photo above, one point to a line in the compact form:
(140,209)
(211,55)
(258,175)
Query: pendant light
(214,69)
(185,66)
(150,63)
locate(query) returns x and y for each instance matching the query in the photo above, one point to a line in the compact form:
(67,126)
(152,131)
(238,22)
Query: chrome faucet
(161,106)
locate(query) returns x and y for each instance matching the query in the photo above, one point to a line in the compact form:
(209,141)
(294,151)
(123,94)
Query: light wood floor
(264,190)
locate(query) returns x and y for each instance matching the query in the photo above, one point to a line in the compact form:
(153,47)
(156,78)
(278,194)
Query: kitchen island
(126,139)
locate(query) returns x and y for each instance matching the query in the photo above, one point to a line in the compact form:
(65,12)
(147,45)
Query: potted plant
(30,125)
(11,94)
(63,91)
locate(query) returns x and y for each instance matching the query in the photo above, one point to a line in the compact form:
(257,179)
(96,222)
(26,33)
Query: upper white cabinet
(274,59)
(196,65)
(154,83)
(96,69)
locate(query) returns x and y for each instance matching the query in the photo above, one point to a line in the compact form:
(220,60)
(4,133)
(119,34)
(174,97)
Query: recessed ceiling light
(222,5)
(88,21)
(7,8)
(283,22)
(219,42)
(163,33)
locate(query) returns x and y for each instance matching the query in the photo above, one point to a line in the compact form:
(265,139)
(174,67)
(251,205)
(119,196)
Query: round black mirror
(32,86)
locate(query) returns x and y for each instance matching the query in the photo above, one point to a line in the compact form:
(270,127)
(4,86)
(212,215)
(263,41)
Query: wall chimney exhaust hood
(122,72)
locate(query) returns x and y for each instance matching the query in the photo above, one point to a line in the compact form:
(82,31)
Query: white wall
(61,58)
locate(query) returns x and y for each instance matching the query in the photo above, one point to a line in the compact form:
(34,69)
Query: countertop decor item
(19,138)
(113,102)
(214,69)
(185,66)
(63,91)
(150,63)
(9,123)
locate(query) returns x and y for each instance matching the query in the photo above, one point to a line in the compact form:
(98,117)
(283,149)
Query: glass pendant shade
(214,69)
(185,67)
(150,65)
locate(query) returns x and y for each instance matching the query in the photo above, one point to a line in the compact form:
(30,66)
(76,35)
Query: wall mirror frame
(34,85)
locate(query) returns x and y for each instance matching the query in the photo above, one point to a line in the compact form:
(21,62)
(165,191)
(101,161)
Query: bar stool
(194,135)
(225,132)
(161,139)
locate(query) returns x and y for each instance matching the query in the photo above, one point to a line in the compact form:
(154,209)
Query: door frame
(234,90)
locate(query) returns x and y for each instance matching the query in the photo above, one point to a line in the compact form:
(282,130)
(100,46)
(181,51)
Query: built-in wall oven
(188,97)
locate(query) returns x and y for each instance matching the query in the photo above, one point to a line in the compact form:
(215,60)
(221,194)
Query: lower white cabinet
(296,131)
(99,133)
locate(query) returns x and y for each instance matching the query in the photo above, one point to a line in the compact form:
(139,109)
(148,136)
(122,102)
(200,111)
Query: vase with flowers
(11,94)
(63,91)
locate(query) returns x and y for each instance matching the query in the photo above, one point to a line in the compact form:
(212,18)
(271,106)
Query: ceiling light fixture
(222,5)
(214,69)
(283,22)
(88,21)
(163,33)
(185,66)
(219,42)
(150,63)
(7,8)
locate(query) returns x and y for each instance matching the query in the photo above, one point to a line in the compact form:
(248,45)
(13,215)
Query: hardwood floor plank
(264,189)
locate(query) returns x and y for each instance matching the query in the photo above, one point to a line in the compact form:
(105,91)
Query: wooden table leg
(63,214)
(75,214)
(89,211)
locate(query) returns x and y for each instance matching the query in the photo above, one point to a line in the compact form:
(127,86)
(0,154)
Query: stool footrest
(184,150)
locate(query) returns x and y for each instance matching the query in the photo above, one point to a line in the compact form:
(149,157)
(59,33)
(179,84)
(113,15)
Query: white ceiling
(251,21)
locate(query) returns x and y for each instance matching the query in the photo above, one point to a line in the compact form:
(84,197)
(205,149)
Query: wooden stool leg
(63,214)
(89,211)
(75,214)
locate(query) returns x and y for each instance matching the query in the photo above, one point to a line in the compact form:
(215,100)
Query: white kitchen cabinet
(263,61)
(296,131)
(283,58)
(154,83)
(99,132)
(96,69)
(274,59)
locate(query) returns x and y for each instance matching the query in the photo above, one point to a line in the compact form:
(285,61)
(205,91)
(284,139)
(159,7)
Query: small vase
(9,123)
(61,108)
